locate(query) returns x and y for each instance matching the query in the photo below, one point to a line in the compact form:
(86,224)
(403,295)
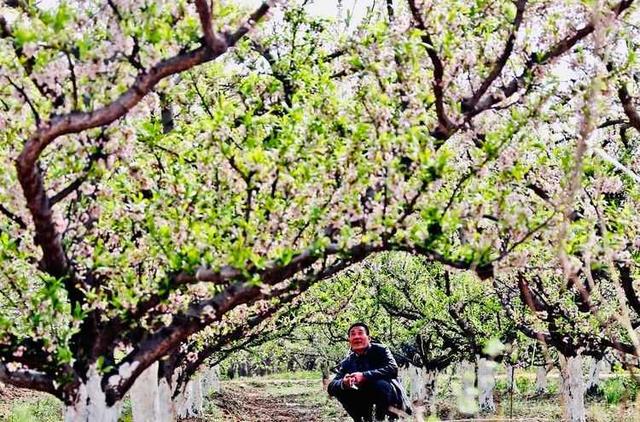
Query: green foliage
(619,388)
(281,150)
(43,410)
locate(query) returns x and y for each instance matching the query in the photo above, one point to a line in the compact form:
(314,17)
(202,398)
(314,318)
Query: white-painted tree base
(414,375)
(468,394)
(572,388)
(486,383)
(197,395)
(593,374)
(511,378)
(430,391)
(189,402)
(166,405)
(541,379)
(91,403)
(145,401)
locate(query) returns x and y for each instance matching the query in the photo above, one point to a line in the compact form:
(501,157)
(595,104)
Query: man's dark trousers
(359,403)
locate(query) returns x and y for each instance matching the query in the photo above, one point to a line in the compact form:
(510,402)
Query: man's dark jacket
(375,363)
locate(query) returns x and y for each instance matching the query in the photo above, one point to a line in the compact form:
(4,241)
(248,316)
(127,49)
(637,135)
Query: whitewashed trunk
(91,403)
(415,382)
(572,388)
(486,383)
(215,383)
(511,378)
(183,401)
(430,391)
(197,395)
(405,378)
(467,397)
(541,379)
(166,405)
(211,381)
(145,401)
(593,375)
(189,402)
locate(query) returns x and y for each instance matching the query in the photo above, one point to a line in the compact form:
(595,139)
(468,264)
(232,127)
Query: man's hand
(348,381)
(351,380)
(358,378)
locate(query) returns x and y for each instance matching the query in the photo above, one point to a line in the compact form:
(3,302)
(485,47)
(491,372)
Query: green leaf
(493,347)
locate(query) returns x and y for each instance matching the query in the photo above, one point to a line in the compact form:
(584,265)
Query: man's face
(358,339)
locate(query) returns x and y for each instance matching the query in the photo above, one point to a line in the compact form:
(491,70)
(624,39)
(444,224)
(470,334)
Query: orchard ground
(300,396)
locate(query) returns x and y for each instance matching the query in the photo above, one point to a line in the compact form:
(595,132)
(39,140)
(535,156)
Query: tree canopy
(168,163)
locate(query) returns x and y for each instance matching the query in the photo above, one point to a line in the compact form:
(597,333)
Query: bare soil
(10,395)
(277,402)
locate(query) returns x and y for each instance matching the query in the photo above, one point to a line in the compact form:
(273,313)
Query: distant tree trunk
(416,382)
(145,400)
(593,376)
(572,388)
(511,378)
(467,400)
(324,368)
(211,380)
(486,383)
(189,401)
(91,403)
(430,391)
(166,404)
(541,379)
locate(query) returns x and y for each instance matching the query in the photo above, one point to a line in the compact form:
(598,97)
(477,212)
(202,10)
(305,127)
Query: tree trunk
(486,383)
(572,388)
(210,381)
(166,405)
(430,391)
(326,375)
(593,378)
(145,400)
(541,379)
(416,383)
(189,402)
(197,395)
(91,403)
(511,378)
(467,397)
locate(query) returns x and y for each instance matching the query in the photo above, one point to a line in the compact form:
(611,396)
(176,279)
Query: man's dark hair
(358,324)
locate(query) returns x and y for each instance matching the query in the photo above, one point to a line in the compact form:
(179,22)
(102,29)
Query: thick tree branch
(539,59)
(445,127)
(628,107)
(31,179)
(11,216)
(214,41)
(24,378)
(203,313)
(626,280)
(241,331)
(469,104)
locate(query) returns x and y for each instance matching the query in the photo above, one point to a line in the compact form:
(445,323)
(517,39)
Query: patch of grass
(619,388)
(298,375)
(126,414)
(524,384)
(45,409)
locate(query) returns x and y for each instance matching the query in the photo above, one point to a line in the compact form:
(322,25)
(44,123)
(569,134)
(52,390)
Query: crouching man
(368,377)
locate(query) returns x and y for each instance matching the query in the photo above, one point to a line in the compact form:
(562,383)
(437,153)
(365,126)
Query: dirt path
(277,402)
